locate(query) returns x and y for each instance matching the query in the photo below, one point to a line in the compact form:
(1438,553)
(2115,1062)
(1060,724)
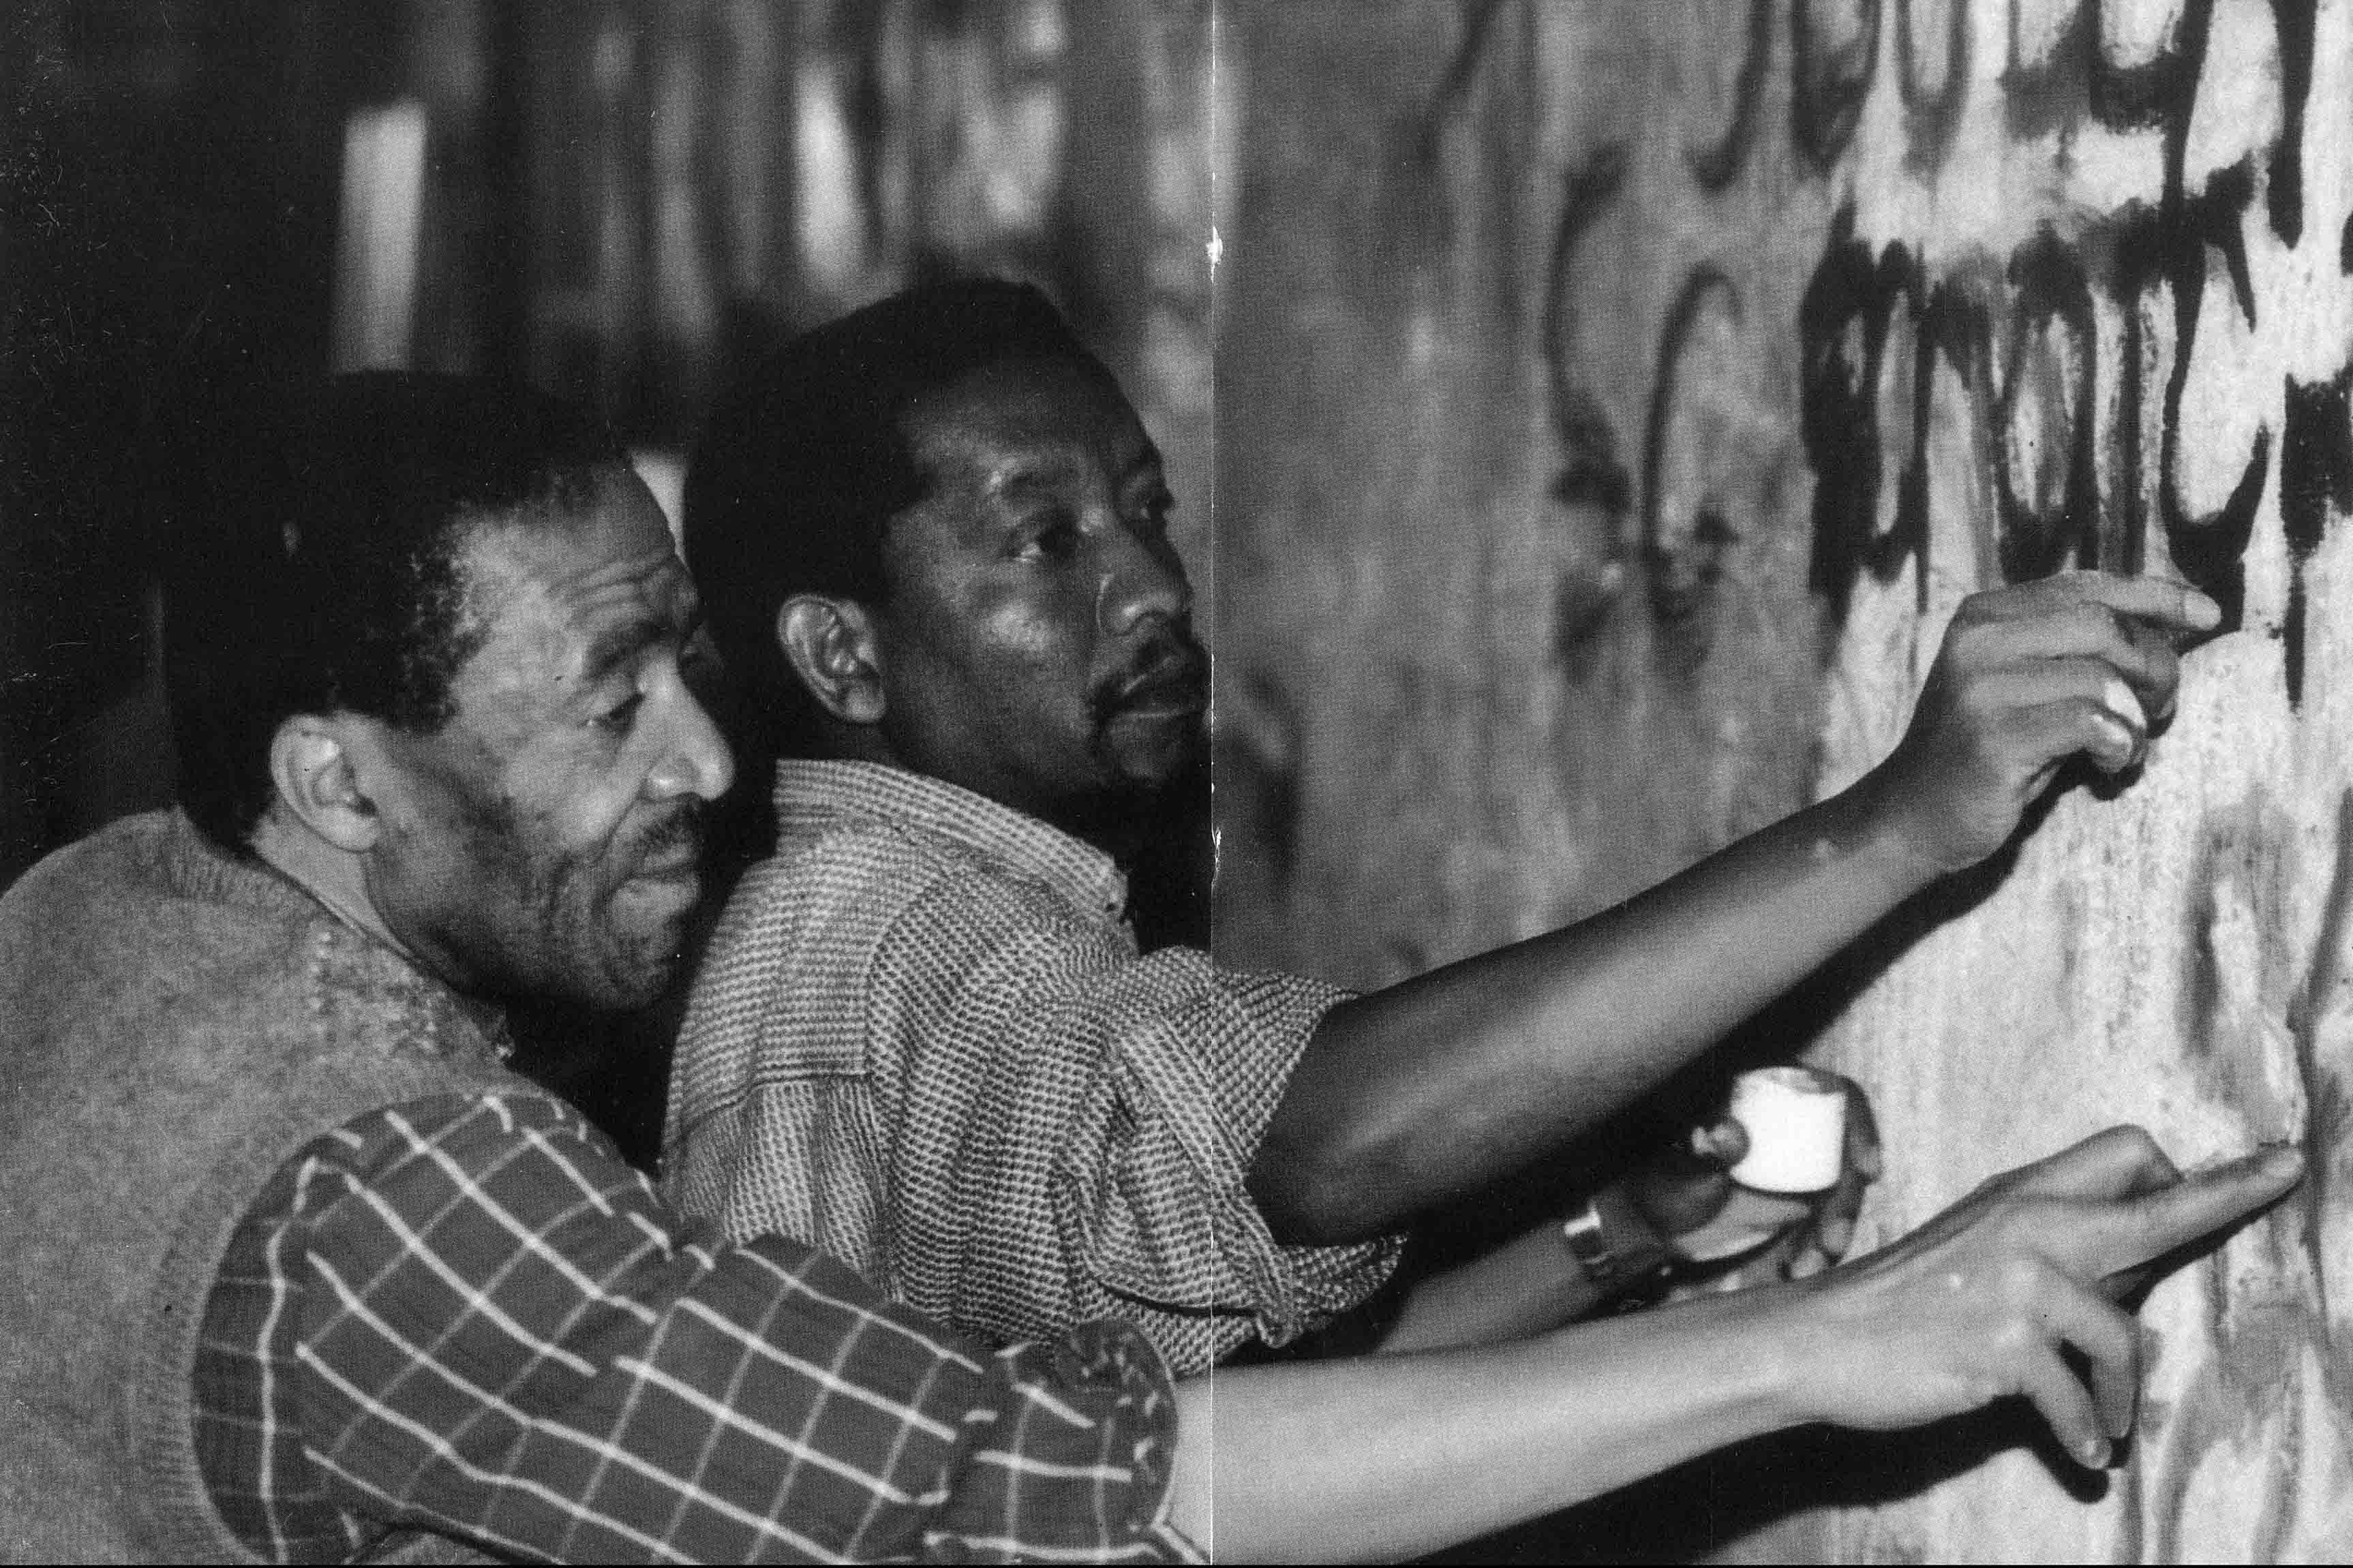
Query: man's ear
(836,653)
(312,766)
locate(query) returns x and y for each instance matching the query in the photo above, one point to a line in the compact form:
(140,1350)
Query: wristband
(1612,1243)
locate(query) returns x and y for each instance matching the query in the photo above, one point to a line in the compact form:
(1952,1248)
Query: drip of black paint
(1827,87)
(2315,474)
(2295,22)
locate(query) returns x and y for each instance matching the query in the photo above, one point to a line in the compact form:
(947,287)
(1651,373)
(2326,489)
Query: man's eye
(1054,538)
(620,717)
(1152,517)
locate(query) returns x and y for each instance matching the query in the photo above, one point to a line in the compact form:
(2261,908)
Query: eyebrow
(1046,473)
(1034,477)
(618,645)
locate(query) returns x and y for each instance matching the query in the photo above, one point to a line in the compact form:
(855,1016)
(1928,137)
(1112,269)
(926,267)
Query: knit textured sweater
(174,1024)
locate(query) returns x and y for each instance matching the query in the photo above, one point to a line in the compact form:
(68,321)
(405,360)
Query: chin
(637,988)
(1143,767)
(634,970)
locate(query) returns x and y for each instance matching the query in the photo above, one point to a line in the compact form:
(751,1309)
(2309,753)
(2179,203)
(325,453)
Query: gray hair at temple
(322,575)
(798,475)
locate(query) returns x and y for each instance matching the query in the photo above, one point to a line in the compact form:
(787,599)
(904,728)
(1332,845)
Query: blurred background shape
(375,312)
(621,201)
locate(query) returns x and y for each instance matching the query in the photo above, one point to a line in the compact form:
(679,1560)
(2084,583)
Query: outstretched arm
(1681,1206)
(1391,1457)
(1430,1089)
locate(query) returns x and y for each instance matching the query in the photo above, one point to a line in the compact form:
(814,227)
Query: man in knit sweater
(291,1268)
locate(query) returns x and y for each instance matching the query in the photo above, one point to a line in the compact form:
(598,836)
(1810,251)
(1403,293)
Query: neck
(1129,826)
(333,877)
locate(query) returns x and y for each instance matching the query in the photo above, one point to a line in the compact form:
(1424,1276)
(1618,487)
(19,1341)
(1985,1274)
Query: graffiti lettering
(1715,167)
(2082,459)
(2171,247)
(2042,77)
(1931,114)
(1591,473)
(2316,473)
(2042,412)
(2154,93)
(2036,402)
(2295,21)
(2062,63)
(1843,326)
(1833,49)
(1685,526)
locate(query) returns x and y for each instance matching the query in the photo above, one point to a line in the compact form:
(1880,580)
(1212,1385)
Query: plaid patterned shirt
(923,1040)
(465,1315)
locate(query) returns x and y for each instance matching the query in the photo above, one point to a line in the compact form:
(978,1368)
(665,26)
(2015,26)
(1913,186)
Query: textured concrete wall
(1615,398)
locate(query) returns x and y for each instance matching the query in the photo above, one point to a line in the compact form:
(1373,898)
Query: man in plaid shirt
(293,1269)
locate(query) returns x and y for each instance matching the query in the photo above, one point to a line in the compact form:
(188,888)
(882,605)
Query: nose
(1142,578)
(695,759)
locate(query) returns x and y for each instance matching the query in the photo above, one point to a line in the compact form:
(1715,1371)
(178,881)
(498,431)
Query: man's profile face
(547,840)
(1037,637)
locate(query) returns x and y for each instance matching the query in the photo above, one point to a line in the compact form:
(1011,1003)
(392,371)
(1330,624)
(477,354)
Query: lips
(684,868)
(672,852)
(1169,688)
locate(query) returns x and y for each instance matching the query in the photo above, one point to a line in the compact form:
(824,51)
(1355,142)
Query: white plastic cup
(1796,1123)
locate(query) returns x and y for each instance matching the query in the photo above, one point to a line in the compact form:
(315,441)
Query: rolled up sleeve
(1076,1125)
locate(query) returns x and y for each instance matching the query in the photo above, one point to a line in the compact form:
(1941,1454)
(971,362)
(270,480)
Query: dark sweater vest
(174,1024)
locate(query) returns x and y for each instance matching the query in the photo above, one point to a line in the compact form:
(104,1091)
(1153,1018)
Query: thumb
(1722,1142)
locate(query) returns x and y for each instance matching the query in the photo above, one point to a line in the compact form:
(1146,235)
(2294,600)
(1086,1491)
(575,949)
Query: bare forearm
(1433,1088)
(2003,1294)
(1524,1287)
(1392,1457)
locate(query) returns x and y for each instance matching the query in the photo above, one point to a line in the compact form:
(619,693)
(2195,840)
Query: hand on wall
(2029,678)
(1978,1303)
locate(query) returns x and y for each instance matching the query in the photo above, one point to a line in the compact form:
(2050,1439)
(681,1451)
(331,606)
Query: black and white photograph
(1124,781)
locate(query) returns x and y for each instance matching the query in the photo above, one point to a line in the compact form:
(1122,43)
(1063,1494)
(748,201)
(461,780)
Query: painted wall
(1614,400)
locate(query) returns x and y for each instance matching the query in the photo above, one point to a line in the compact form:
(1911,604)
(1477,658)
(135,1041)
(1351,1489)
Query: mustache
(688,826)
(1171,667)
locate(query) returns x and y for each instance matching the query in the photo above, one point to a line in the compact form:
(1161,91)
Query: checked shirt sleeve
(499,1331)
(1073,1126)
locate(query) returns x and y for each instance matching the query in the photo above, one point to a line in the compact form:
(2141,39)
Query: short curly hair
(323,573)
(797,475)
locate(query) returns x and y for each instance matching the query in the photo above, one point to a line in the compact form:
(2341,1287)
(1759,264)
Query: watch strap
(1613,1244)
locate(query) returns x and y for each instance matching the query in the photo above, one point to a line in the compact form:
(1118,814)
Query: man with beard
(293,1268)
(933,537)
